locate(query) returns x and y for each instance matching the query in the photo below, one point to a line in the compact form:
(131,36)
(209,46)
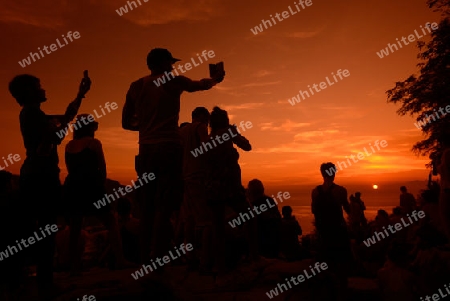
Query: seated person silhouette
(289,232)
(268,221)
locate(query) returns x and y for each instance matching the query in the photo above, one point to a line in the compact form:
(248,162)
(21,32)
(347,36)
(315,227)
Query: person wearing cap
(154,112)
(84,185)
(39,182)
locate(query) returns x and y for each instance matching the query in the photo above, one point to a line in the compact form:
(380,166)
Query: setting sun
(375,186)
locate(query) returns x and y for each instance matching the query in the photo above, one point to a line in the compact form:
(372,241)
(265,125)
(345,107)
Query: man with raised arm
(153,110)
(40,186)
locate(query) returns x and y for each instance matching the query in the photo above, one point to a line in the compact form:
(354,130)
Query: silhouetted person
(328,200)
(430,206)
(363,208)
(11,268)
(153,110)
(397,283)
(129,230)
(224,183)
(444,171)
(382,215)
(39,175)
(269,221)
(356,216)
(407,201)
(63,250)
(85,185)
(382,219)
(396,215)
(183,124)
(197,212)
(290,230)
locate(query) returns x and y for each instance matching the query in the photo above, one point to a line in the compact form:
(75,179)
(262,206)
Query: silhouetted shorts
(164,160)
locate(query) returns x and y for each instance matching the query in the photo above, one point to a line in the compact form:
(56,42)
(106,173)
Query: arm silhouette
(129,114)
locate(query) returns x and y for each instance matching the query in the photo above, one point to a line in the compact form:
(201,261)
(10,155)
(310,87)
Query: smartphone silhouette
(216,68)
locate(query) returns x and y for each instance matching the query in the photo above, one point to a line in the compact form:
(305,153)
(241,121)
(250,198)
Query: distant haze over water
(386,197)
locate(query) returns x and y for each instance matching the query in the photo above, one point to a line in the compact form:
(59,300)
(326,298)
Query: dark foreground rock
(177,284)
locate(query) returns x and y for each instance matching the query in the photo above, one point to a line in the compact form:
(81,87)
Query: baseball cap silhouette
(158,55)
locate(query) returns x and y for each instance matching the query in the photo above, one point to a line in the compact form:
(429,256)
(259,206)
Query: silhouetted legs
(111,225)
(198,228)
(218,238)
(218,229)
(40,196)
(205,237)
(159,197)
(335,250)
(75,254)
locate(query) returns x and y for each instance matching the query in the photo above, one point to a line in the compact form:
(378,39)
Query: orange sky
(263,72)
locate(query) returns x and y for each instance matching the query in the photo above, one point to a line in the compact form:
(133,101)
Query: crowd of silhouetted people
(192,199)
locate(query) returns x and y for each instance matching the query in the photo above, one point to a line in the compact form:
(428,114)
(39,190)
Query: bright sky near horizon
(263,71)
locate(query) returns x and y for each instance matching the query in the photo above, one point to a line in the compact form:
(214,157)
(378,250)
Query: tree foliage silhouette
(425,93)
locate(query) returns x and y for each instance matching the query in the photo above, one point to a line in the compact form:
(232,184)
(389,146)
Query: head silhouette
(328,171)
(286,211)
(81,130)
(160,60)
(403,189)
(26,89)
(382,214)
(255,188)
(397,211)
(200,114)
(219,119)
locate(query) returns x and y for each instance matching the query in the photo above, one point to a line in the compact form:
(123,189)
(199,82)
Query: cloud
(44,13)
(345,112)
(304,34)
(262,73)
(243,106)
(306,136)
(118,138)
(339,149)
(54,13)
(239,90)
(163,12)
(287,126)
(259,84)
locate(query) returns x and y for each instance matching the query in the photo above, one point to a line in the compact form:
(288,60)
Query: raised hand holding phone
(217,71)
(85,84)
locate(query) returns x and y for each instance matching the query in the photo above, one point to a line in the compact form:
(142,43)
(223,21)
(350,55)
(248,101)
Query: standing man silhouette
(153,110)
(328,200)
